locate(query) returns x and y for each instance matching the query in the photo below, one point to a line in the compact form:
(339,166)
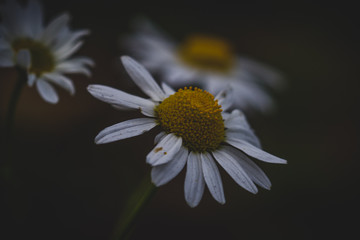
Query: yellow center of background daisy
(207,53)
(195,116)
(42,59)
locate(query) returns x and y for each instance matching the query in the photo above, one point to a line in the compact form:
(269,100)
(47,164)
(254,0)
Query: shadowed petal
(159,137)
(164,173)
(194,181)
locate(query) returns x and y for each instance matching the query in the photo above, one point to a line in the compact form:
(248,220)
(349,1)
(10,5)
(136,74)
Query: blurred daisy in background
(195,131)
(205,61)
(42,51)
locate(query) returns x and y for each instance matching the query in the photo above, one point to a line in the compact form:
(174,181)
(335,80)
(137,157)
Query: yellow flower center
(207,53)
(195,116)
(42,59)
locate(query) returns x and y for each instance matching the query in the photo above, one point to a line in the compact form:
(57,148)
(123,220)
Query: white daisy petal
(178,75)
(165,150)
(159,137)
(234,169)
(46,91)
(23,58)
(194,181)
(245,134)
(265,73)
(254,151)
(253,170)
(61,81)
(81,61)
(212,177)
(168,90)
(66,68)
(247,95)
(54,27)
(31,79)
(75,65)
(68,39)
(126,129)
(121,108)
(65,52)
(236,120)
(238,127)
(164,173)
(117,97)
(143,79)
(223,99)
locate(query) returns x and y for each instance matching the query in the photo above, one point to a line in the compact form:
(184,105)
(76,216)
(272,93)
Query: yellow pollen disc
(207,53)
(195,116)
(42,59)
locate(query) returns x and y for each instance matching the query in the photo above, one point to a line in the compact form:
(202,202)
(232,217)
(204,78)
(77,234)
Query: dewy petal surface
(143,79)
(164,173)
(123,99)
(212,177)
(126,129)
(194,181)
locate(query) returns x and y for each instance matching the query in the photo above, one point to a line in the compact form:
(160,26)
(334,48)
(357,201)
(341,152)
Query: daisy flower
(195,131)
(42,51)
(205,61)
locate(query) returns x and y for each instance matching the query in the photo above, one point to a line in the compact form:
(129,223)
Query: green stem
(134,206)
(10,115)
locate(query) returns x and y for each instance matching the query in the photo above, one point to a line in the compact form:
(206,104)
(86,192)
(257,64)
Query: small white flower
(194,132)
(43,51)
(205,61)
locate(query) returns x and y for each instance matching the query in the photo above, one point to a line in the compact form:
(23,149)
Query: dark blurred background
(66,187)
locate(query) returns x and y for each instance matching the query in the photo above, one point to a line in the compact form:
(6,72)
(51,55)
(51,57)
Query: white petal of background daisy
(42,51)
(204,61)
(195,131)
